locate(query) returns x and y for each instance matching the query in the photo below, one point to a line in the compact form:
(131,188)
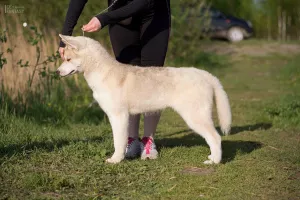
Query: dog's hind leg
(202,124)
(213,139)
(119,124)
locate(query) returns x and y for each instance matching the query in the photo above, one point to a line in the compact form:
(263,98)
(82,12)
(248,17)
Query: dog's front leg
(119,124)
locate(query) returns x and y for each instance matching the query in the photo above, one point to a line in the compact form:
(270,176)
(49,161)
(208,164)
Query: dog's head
(73,55)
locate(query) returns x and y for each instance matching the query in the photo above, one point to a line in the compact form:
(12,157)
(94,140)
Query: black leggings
(144,41)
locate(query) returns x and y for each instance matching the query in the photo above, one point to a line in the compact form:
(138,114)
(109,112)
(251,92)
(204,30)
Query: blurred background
(202,34)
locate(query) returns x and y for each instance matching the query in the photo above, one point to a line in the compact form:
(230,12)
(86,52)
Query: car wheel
(235,34)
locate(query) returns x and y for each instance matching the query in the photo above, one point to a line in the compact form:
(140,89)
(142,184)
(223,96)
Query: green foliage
(47,102)
(3,60)
(40,66)
(9,50)
(264,14)
(286,112)
(21,64)
(3,39)
(186,33)
(54,107)
(35,37)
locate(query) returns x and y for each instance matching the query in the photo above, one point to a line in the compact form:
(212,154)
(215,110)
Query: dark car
(225,26)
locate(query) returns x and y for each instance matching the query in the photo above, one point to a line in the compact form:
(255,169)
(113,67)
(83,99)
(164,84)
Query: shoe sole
(149,156)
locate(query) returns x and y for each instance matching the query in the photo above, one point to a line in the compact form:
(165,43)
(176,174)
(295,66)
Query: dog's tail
(223,107)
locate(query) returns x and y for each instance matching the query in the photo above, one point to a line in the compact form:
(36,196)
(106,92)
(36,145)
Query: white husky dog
(122,89)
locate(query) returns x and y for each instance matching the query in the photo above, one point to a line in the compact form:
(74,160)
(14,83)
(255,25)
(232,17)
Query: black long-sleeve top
(113,16)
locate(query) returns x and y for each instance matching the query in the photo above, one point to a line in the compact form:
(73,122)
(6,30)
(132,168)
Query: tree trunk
(283,25)
(279,35)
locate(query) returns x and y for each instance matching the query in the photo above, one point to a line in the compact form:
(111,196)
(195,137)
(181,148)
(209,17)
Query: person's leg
(125,40)
(134,125)
(149,57)
(148,147)
(150,123)
(154,42)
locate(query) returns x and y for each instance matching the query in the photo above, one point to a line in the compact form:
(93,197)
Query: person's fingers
(91,30)
(61,52)
(92,26)
(87,26)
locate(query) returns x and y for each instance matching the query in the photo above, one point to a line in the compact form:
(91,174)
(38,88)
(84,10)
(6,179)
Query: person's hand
(61,51)
(92,26)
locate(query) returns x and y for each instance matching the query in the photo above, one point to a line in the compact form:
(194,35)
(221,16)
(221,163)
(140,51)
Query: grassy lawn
(261,157)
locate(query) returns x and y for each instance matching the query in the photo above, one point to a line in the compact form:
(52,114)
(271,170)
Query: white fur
(122,89)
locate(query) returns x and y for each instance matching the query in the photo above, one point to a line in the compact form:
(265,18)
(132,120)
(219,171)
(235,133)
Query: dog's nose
(57,72)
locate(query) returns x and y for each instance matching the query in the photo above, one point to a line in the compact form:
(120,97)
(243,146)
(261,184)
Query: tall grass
(19,53)
(30,88)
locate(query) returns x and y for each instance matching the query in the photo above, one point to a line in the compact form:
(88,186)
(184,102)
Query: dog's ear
(73,42)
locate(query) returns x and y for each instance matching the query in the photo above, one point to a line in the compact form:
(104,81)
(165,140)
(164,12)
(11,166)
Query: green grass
(261,157)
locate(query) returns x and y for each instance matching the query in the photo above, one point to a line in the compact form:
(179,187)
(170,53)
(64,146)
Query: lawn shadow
(252,127)
(12,149)
(234,130)
(230,148)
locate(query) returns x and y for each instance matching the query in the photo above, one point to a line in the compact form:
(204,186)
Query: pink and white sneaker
(148,148)
(133,148)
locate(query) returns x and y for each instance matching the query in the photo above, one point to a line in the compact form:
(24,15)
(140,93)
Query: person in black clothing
(139,33)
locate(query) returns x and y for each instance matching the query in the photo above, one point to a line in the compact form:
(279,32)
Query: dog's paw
(113,160)
(208,162)
(211,160)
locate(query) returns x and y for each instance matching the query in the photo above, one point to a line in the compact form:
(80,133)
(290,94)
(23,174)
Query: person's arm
(73,13)
(124,12)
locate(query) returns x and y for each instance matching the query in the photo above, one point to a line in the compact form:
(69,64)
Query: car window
(211,12)
(216,14)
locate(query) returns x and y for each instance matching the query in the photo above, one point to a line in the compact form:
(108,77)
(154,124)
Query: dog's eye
(68,59)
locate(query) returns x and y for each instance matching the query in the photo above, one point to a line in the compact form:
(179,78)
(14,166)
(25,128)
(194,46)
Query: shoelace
(147,141)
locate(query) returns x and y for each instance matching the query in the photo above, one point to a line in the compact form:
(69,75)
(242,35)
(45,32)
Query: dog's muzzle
(58,73)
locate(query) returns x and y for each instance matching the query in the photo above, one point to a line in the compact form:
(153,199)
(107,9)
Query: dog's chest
(103,98)
(100,92)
